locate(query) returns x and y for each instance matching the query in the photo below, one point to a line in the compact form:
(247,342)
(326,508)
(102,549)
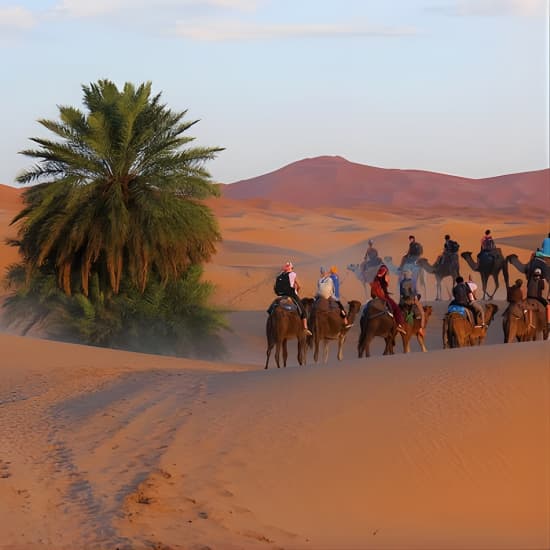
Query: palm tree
(114,231)
(118,194)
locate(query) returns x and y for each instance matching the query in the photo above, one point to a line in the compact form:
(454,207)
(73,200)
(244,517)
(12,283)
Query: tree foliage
(114,224)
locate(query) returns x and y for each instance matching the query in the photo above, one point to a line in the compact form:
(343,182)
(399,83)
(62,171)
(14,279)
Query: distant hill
(337,182)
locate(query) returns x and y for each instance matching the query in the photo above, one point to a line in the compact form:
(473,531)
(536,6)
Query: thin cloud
(16,18)
(95,8)
(227,31)
(521,8)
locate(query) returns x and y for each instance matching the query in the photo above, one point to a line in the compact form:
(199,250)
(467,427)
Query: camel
(412,329)
(327,323)
(523,321)
(376,320)
(528,268)
(459,332)
(284,324)
(415,268)
(488,265)
(440,271)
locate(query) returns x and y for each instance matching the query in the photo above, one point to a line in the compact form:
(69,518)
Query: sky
(453,86)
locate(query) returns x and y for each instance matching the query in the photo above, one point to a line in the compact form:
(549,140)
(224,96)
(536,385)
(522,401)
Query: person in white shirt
(475,303)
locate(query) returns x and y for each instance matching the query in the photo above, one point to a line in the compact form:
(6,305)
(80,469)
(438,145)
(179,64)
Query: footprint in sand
(4,469)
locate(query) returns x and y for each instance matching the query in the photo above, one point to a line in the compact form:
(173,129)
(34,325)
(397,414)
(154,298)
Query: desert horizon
(449,449)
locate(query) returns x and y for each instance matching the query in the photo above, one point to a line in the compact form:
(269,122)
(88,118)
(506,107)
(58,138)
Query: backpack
(453,246)
(282,284)
(415,249)
(488,243)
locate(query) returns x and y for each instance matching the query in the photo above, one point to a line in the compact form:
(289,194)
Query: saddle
(284,302)
(324,305)
(375,308)
(463,311)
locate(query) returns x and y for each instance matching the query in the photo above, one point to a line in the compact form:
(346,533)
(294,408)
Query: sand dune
(335,181)
(443,450)
(105,448)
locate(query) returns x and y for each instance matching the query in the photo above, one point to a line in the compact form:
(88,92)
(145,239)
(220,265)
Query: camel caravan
(315,322)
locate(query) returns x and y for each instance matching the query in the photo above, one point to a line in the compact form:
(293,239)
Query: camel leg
(278,354)
(285,352)
(341,340)
(421,342)
(269,348)
(389,345)
(438,289)
(316,349)
(367,345)
(301,352)
(445,334)
(406,343)
(325,351)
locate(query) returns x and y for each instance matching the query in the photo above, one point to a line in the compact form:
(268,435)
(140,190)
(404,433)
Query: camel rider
(413,253)
(515,293)
(333,274)
(462,295)
(379,289)
(487,244)
(450,252)
(371,255)
(409,297)
(545,247)
(475,304)
(325,285)
(537,289)
(286,284)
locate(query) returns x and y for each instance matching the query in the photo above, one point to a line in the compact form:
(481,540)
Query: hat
(288,266)
(411,236)
(371,242)
(322,270)
(537,271)
(382,270)
(333,269)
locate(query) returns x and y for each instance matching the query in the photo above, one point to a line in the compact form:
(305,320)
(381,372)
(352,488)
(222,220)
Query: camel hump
(325,305)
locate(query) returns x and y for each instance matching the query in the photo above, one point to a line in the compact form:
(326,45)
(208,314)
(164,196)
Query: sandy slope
(447,450)
(104,448)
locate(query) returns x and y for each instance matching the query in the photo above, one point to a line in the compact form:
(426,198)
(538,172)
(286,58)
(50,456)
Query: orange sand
(444,450)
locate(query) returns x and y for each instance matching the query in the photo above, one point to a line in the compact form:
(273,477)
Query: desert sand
(448,449)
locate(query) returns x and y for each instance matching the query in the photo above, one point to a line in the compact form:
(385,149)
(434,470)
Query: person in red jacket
(379,289)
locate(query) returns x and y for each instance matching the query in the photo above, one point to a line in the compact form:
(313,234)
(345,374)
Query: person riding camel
(450,252)
(379,289)
(462,296)
(537,289)
(286,284)
(333,274)
(475,304)
(371,255)
(410,299)
(413,253)
(487,244)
